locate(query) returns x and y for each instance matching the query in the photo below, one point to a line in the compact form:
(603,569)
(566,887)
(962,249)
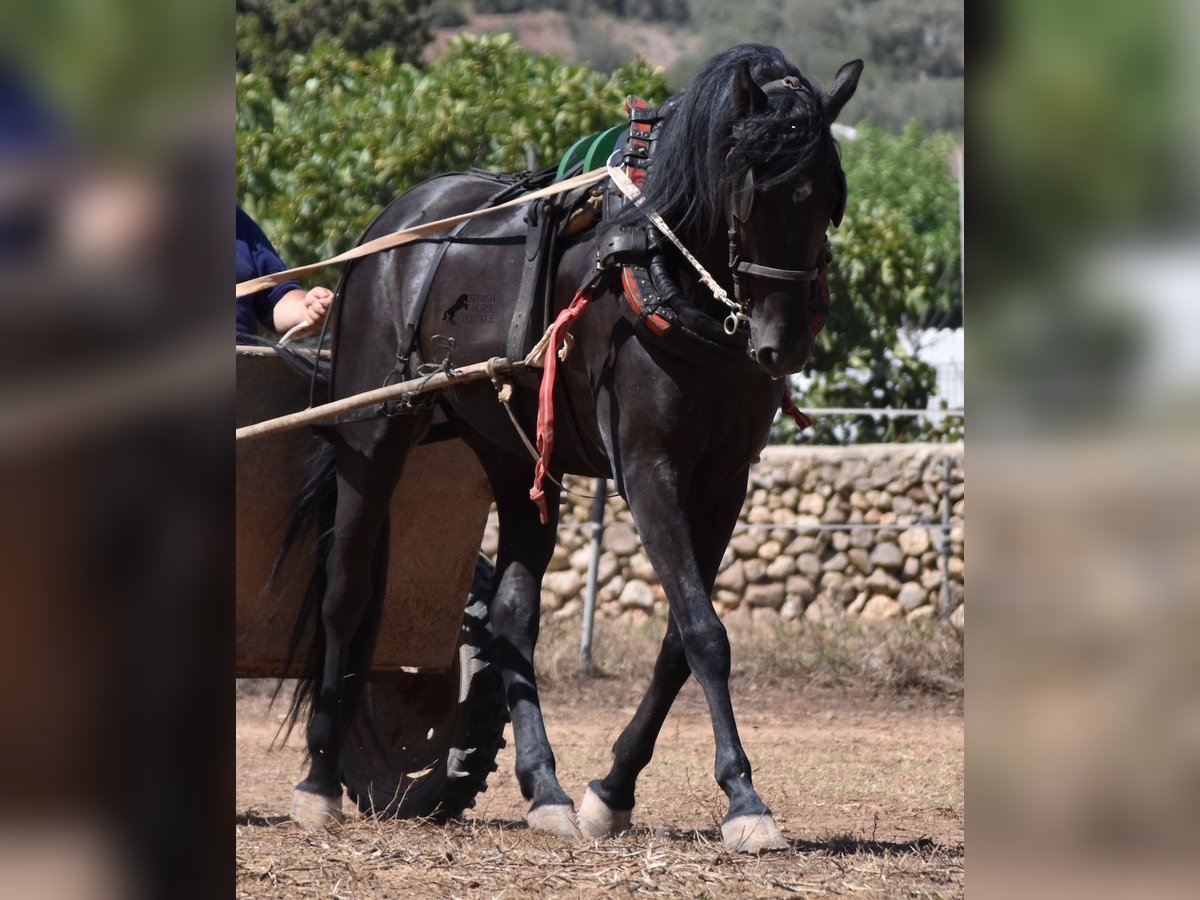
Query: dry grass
(895,657)
(473,859)
(855,735)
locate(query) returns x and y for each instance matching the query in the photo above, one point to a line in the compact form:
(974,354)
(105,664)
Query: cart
(431,717)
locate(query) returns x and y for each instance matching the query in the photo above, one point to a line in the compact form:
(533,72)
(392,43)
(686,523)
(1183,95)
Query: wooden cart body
(437,519)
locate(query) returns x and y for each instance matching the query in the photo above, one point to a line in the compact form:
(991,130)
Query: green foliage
(896,268)
(316,165)
(909,173)
(271,32)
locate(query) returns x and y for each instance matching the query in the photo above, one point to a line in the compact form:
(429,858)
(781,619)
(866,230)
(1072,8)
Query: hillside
(601,40)
(913,48)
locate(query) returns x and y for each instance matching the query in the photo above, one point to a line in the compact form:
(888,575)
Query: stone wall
(794,552)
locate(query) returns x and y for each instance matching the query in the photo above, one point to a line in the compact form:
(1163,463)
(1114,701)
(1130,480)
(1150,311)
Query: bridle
(743,269)
(649,296)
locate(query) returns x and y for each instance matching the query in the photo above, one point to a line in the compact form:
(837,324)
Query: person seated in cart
(281,307)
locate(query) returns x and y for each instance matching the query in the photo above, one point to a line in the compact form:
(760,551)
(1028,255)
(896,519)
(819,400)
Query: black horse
(746,157)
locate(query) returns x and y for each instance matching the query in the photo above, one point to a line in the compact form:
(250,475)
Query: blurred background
(1081,210)
(1083,249)
(116,161)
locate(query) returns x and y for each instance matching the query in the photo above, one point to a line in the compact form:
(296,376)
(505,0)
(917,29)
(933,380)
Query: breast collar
(649,296)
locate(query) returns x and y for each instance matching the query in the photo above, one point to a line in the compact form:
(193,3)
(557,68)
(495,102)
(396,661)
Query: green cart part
(593,151)
(602,147)
(573,155)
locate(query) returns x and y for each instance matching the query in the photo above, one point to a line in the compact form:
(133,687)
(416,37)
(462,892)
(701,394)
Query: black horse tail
(316,506)
(317,368)
(312,365)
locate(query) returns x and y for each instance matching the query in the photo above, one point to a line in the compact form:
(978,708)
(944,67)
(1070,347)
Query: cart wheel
(423,745)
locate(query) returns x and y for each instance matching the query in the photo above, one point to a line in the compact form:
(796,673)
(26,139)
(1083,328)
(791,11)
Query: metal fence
(941,527)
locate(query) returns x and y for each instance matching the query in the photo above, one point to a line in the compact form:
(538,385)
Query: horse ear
(844,84)
(748,97)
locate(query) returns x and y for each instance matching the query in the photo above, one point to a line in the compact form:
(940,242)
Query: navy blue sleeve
(256,256)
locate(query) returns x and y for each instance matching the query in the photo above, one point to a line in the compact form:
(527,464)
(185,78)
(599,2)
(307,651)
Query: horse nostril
(766,357)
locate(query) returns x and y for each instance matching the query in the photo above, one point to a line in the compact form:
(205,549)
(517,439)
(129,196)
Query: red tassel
(545,420)
(789,409)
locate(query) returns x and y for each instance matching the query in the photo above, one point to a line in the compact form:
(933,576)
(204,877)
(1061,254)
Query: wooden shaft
(422,385)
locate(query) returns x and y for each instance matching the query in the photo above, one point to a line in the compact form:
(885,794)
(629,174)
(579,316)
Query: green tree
(896,268)
(270,32)
(909,173)
(317,164)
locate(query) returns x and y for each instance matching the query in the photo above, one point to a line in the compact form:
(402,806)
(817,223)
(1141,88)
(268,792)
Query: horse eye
(802,192)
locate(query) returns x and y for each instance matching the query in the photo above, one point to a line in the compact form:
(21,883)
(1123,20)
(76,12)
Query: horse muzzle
(779,335)
(779,363)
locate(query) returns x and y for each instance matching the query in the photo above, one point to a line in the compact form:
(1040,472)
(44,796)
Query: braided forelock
(689,175)
(787,140)
(684,181)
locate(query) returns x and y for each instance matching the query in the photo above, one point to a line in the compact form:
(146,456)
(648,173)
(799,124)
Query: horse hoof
(597,819)
(554,818)
(316,811)
(752,834)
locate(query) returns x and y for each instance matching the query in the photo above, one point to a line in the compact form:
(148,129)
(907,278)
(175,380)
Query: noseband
(742,269)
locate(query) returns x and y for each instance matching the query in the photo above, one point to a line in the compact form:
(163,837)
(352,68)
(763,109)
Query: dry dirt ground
(867,784)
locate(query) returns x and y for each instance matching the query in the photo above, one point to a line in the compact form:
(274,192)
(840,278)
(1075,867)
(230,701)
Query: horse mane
(692,167)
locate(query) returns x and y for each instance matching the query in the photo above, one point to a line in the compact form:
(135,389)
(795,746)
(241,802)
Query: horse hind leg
(524,552)
(367,473)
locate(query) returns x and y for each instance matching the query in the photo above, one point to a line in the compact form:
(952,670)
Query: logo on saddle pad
(476,309)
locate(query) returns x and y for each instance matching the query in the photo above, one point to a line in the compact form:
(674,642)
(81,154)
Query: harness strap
(736,317)
(533,297)
(749,268)
(409,340)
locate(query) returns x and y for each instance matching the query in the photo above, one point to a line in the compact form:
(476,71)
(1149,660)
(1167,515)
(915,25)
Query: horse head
(782,186)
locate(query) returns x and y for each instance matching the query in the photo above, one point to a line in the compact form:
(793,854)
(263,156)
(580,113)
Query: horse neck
(713,255)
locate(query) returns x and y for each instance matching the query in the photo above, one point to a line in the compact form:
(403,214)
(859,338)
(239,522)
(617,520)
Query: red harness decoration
(545,419)
(790,409)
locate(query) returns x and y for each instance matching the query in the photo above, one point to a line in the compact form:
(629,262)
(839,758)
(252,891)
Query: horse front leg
(660,496)
(367,473)
(525,548)
(608,803)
